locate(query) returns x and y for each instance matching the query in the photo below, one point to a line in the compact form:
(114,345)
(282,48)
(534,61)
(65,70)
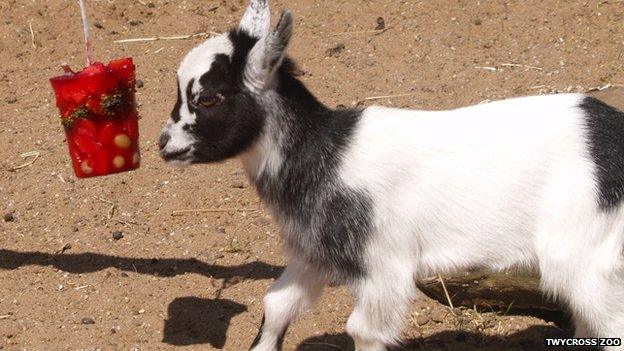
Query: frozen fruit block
(98,112)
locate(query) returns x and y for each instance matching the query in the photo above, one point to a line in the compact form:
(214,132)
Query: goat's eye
(209,100)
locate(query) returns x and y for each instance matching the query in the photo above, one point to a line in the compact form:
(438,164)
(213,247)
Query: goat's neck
(289,109)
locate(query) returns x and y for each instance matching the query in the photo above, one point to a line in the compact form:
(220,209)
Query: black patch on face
(334,221)
(231,126)
(605,126)
(175,114)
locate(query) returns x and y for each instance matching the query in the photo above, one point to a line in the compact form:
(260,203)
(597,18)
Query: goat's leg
(383,302)
(592,289)
(294,292)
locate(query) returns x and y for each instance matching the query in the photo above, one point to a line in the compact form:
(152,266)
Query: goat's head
(218,113)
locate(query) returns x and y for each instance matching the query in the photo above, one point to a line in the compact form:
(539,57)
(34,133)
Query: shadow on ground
(193,320)
(531,338)
(167,267)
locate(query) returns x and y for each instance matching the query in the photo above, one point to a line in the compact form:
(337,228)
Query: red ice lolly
(98,112)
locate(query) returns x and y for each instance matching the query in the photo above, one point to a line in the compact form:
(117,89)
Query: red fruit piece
(85,127)
(102,162)
(84,136)
(94,69)
(109,131)
(125,69)
(132,127)
(87,145)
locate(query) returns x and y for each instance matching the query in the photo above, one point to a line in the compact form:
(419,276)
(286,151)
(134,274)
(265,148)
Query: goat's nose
(163,140)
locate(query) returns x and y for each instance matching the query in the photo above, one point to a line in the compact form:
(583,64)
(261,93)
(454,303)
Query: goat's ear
(268,53)
(257,19)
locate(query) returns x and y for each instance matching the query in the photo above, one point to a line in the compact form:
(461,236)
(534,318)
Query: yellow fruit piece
(123,141)
(119,161)
(86,169)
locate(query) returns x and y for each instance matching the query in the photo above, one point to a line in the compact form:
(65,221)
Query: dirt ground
(195,282)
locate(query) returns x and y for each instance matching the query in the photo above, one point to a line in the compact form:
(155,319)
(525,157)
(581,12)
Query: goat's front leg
(383,302)
(292,294)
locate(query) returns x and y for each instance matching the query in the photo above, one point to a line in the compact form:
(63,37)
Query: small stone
(221,230)
(422,320)
(438,316)
(238,185)
(151,5)
(98,25)
(87,320)
(337,49)
(8,217)
(124,274)
(381,23)
(139,84)
(477,22)
(117,235)
(11,100)
(134,22)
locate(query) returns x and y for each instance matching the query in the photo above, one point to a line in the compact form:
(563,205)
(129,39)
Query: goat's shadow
(162,267)
(531,338)
(193,320)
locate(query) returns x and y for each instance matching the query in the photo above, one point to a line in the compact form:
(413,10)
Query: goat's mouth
(181,157)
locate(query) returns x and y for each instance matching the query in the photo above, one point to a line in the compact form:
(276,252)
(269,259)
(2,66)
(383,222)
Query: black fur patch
(334,221)
(175,114)
(605,126)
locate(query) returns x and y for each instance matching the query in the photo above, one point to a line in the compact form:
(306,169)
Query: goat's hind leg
(593,287)
(293,293)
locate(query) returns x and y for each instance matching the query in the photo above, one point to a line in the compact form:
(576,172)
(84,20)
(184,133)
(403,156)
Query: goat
(377,198)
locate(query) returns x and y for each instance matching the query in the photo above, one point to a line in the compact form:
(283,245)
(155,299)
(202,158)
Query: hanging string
(85,27)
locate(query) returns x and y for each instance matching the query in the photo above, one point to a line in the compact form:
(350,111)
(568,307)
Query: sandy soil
(195,282)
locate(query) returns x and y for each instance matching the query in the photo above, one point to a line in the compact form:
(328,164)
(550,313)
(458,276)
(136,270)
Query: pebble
(135,22)
(381,23)
(8,217)
(124,274)
(117,235)
(11,100)
(88,320)
(139,84)
(238,185)
(422,320)
(438,316)
(337,49)
(98,25)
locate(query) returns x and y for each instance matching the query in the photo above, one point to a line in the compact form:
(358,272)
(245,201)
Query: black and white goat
(377,198)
